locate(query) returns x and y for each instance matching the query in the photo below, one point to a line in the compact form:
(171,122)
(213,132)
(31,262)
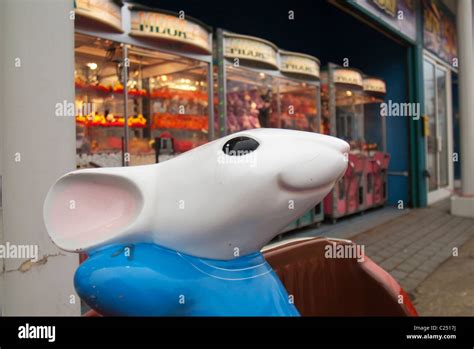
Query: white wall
(463,205)
(41,34)
(1,149)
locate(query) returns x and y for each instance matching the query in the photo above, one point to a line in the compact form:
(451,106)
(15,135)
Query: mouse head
(222,200)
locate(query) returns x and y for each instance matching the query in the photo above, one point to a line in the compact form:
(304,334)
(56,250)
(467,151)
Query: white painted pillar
(38,147)
(463,205)
(1,147)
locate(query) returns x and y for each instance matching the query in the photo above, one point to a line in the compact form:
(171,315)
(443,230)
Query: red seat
(336,286)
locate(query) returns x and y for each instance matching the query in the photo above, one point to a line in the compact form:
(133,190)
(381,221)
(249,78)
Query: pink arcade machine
(375,143)
(342,101)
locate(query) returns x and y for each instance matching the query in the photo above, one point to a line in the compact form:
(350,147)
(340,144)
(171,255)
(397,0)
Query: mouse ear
(87,208)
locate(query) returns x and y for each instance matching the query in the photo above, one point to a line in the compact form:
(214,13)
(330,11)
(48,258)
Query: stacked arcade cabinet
(262,86)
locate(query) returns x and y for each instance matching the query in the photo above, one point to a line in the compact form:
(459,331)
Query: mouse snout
(337,144)
(328,164)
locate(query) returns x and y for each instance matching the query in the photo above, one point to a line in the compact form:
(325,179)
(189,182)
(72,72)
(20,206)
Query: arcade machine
(99,105)
(247,88)
(342,99)
(142,78)
(375,143)
(260,86)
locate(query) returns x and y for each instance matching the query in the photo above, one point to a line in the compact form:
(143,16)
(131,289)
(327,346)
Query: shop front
(177,100)
(144,86)
(428,31)
(143,82)
(147,90)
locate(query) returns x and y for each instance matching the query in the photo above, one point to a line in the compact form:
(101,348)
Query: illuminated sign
(104,11)
(297,63)
(249,48)
(169,27)
(374,85)
(347,76)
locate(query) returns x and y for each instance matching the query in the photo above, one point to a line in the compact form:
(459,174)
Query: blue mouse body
(148,280)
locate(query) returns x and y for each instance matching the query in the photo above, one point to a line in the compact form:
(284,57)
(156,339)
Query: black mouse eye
(240,146)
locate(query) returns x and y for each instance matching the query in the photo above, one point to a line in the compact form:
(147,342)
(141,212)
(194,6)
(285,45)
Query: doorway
(438,109)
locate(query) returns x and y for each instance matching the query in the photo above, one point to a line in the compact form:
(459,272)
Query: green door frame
(418,181)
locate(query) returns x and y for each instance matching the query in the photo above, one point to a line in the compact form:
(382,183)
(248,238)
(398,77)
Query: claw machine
(144,89)
(375,143)
(260,85)
(342,100)
(247,86)
(99,114)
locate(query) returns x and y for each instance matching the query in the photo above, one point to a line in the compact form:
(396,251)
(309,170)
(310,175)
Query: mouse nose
(328,164)
(337,144)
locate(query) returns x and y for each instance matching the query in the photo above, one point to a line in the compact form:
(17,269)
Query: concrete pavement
(414,245)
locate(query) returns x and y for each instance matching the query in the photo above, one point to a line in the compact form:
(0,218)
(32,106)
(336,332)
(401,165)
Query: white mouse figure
(194,225)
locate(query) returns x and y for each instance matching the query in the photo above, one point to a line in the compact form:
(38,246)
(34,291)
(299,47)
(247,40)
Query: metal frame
(417,181)
(126,135)
(434,194)
(221,83)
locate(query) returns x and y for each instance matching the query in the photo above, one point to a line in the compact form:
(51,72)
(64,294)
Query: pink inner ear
(89,208)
